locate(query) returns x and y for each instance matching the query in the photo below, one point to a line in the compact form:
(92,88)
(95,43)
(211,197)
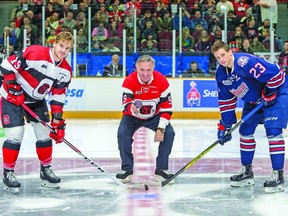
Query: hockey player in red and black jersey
(29,76)
(146,103)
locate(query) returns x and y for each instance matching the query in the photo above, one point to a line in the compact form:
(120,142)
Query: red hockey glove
(59,131)
(268,97)
(15,94)
(222,128)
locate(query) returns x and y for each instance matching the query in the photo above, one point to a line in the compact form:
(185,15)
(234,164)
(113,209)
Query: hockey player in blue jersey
(245,76)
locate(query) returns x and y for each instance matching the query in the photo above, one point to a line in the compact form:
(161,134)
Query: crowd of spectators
(202,23)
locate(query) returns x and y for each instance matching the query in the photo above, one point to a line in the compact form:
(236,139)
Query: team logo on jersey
(242,61)
(241,90)
(6,119)
(145,89)
(43,89)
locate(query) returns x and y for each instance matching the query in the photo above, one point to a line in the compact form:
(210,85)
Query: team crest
(6,119)
(242,61)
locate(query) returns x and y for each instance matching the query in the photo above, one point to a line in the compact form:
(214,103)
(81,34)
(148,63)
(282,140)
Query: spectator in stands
(216,34)
(162,11)
(213,21)
(69,22)
(186,22)
(118,4)
(246,46)
(51,38)
(96,47)
(65,9)
(31,38)
(61,27)
(264,32)
(203,43)
(97,19)
(232,21)
(251,29)
(110,47)
(148,5)
(188,42)
(115,30)
(27,21)
(130,5)
(54,20)
(195,7)
(116,12)
(19,8)
(19,19)
(49,10)
(129,26)
(198,23)
(193,71)
(208,8)
(150,47)
(81,22)
(104,12)
(224,3)
(147,17)
(240,7)
(256,45)
(83,8)
(12,37)
(267,7)
(238,34)
(14,30)
(149,33)
(81,41)
(164,23)
(242,21)
(283,58)
(101,32)
(114,69)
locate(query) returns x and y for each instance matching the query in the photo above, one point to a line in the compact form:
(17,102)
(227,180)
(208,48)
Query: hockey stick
(34,115)
(163,183)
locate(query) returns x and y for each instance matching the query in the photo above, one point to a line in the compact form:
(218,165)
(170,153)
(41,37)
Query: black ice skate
(162,175)
(125,176)
(276,183)
(243,178)
(11,183)
(49,179)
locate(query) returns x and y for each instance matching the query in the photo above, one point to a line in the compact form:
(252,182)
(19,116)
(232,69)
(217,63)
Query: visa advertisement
(201,93)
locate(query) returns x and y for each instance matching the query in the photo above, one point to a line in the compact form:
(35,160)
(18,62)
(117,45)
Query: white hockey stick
(128,186)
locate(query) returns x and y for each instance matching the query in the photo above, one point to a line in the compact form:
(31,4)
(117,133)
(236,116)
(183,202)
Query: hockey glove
(59,131)
(222,128)
(15,94)
(269,98)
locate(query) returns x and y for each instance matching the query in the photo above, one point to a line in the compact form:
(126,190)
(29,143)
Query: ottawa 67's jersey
(154,97)
(37,73)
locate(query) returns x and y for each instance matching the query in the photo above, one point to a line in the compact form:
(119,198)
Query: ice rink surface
(203,189)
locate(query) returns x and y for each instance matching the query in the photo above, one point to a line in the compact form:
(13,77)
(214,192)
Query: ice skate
(125,176)
(49,179)
(243,178)
(11,183)
(276,183)
(162,175)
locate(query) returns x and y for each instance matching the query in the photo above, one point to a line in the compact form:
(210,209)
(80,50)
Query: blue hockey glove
(269,98)
(222,128)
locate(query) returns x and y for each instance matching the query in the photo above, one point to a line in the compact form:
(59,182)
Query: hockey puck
(146,187)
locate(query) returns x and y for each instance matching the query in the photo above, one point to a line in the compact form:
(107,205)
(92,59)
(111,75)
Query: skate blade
(161,179)
(276,189)
(243,183)
(14,190)
(47,184)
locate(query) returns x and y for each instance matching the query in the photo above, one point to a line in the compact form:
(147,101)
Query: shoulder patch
(242,61)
